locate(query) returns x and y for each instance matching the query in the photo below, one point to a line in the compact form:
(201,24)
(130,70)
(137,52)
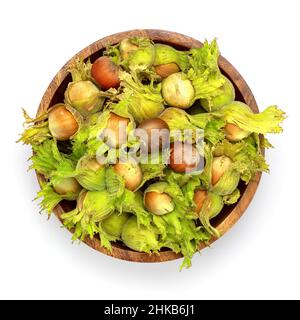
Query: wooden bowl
(55,93)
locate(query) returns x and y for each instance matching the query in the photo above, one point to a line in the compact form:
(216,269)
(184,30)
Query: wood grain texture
(54,94)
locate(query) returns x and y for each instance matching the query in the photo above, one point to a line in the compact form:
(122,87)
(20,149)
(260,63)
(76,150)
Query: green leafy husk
(132,202)
(111,228)
(212,206)
(213,131)
(180,234)
(96,206)
(80,70)
(232,198)
(115,184)
(91,177)
(189,188)
(49,161)
(36,129)
(165,54)
(178,119)
(152,171)
(140,238)
(267,121)
(142,58)
(246,156)
(227,183)
(141,101)
(204,72)
(113,225)
(226,94)
(50,199)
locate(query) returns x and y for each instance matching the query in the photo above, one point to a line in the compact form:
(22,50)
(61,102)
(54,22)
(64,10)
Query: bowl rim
(180,40)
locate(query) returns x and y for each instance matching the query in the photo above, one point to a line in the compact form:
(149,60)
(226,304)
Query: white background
(258,258)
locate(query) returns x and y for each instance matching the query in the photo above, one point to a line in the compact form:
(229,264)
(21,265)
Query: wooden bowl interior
(55,94)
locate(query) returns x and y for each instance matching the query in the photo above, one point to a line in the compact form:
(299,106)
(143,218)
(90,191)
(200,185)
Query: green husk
(36,129)
(226,94)
(50,199)
(142,58)
(232,198)
(179,233)
(49,161)
(111,228)
(114,52)
(178,178)
(204,72)
(152,171)
(141,101)
(78,142)
(115,184)
(179,120)
(140,238)
(80,70)
(114,224)
(212,206)
(189,189)
(132,202)
(267,121)
(96,206)
(206,175)
(227,183)
(246,156)
(91,178)
(165,54)
(213,131)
